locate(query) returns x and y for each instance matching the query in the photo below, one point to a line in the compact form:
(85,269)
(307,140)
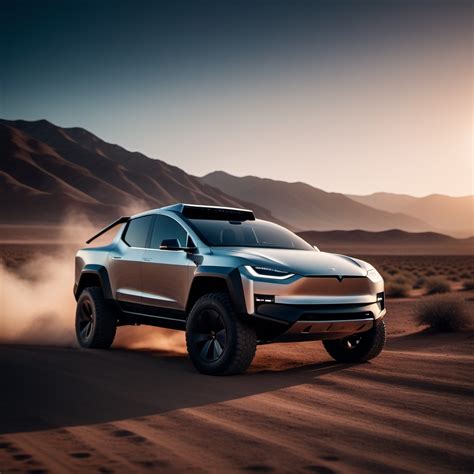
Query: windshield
(246,234)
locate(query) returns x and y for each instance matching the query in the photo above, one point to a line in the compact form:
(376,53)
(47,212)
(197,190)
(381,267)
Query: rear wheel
(358,347)
(219,341)
(95,320)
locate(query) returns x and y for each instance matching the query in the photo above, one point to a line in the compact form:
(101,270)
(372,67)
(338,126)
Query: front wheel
(219,341)
(95,320)
(358,347)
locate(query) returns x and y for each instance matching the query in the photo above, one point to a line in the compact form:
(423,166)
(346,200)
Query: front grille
(312,316)
(331,286)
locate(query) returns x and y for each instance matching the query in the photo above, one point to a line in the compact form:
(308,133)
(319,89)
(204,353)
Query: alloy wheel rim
(210,336)
(86,320)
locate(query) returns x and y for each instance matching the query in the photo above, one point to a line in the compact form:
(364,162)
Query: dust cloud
(36,302)
(37,305)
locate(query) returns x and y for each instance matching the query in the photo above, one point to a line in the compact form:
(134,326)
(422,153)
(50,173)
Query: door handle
(147,259)
(116,258)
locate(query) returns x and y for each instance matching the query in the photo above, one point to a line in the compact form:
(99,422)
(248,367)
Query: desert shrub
(396,290)
(453,278)
(436,285)
(419,283)
(392,271)
(444,314)
(468,285)
(466,275)
(400,280)
(430,273)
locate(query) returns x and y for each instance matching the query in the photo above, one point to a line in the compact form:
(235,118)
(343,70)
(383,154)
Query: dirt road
(70,410)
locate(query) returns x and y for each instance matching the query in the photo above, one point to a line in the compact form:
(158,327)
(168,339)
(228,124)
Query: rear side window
(166,228)
(137,231)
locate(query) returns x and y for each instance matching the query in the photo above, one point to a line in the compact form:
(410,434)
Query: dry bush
(465,275)
(468,285)
(437,285)
(419,283)
(444,314)
(396,290)
(400,280)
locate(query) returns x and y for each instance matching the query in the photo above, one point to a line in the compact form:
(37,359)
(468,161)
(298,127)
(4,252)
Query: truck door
(125,262)
(166,273)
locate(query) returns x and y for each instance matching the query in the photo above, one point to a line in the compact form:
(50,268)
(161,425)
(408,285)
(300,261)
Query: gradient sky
(349,96)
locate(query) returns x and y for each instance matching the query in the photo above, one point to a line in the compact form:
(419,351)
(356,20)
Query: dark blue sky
(206,85)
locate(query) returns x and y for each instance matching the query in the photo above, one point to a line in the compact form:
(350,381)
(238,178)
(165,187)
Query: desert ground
(143,408)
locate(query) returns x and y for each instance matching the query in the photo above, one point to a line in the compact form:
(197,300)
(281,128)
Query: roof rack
(193,211)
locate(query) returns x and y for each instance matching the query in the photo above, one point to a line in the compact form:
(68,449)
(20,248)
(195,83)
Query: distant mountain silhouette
(392,241)
(446,213)
(307,208)
(47,171)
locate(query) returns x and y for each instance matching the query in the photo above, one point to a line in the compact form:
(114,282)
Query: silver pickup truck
(230,281)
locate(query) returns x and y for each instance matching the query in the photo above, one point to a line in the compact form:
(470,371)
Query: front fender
(233,281)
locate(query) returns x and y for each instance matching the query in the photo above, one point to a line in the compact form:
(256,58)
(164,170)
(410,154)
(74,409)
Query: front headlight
(373,275)
(266,272)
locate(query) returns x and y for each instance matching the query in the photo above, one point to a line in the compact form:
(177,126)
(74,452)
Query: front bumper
(322,321)
(337,329)
(320,307)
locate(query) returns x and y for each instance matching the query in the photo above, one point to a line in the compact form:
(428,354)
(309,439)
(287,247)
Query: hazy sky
(349,96)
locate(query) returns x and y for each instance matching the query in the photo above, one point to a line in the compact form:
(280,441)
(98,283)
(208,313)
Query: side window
(166,228)
(137,231)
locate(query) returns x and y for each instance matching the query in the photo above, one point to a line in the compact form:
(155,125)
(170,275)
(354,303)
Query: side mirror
(173,244)
(170,244)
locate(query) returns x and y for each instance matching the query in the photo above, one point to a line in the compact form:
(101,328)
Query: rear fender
(94,275)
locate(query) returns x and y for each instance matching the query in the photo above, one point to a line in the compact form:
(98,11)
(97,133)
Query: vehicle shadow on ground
(52,387)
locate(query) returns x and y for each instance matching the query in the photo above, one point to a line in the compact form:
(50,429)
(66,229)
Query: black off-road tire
(92,306)
(212,317)
(366,345)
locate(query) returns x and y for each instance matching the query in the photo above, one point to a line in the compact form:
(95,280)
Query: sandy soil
(71,410)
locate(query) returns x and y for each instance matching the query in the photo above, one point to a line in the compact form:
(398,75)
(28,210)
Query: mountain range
(304,207)
(446,213)
(47,171)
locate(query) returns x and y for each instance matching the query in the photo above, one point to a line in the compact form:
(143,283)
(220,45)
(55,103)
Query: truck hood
(301,262)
